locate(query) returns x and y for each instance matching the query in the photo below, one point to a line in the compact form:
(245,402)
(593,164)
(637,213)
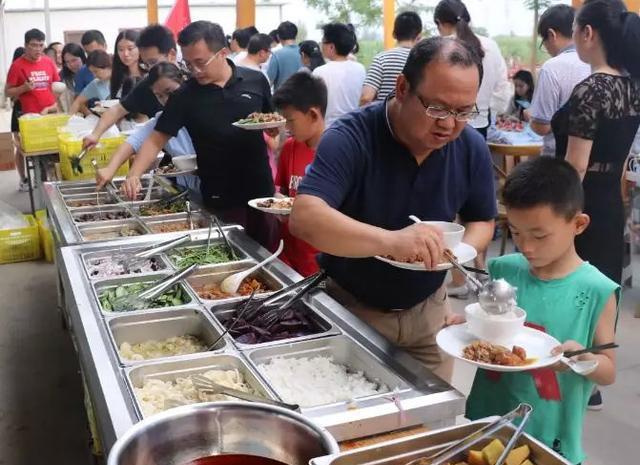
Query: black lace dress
(605,109)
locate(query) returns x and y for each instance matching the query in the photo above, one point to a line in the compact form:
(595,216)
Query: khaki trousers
(414,329)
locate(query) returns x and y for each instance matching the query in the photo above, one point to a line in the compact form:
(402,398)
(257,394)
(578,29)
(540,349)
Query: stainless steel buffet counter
(413,395)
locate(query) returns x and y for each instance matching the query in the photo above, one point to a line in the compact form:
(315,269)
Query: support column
(388,13)
(152,11)
(245,13)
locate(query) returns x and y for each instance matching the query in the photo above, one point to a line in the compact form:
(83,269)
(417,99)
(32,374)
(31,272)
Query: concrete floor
(41,403)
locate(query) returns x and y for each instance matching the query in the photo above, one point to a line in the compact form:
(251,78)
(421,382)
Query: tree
(363,13)
(536,6)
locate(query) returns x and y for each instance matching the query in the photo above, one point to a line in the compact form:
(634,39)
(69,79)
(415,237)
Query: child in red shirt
(302,100)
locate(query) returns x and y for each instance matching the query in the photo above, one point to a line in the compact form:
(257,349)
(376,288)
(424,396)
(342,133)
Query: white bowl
(497,329)
(452,232)
(58,87)
(185,162)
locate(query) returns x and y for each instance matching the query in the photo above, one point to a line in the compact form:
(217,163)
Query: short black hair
(341,36)
(33,34)
(157,36)
(545,181)
(451,51)
(52,44)
(99,59)
(259,42)
(93,35)
(287,31)
(211,33)
(274,36)
(302,91)
(242,36)
(407,26)
(559,18)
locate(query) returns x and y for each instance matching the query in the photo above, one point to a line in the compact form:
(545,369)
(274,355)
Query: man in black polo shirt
(156,45)
(232,163)
(412,154)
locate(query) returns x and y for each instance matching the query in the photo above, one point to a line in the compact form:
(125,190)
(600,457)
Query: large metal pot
(186,433)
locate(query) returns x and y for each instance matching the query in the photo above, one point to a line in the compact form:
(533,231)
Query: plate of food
(531,349)
(463,252)
(259,121)
(275,205)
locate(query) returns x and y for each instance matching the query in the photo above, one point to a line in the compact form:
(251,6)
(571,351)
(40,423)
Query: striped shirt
(385,69)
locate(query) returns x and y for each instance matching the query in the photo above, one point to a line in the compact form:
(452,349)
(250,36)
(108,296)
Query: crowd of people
(365,149)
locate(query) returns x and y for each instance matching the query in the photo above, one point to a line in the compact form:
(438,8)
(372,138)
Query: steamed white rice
(314,381)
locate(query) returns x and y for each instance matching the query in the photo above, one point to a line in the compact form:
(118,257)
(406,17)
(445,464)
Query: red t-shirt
(295,157)
(42,72)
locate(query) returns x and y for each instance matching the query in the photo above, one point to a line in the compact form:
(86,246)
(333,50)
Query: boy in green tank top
(562,295)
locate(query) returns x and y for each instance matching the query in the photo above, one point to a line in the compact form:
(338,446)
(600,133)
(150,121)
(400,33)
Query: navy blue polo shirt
(362,171)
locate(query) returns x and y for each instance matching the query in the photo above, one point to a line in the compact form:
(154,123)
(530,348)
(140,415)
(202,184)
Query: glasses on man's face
(541,44)
(440,112)
(196,67)
(148,64)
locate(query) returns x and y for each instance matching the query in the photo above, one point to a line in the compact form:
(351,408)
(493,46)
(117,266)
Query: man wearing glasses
(558,75)
(412,154)
(232,163)
(156,45)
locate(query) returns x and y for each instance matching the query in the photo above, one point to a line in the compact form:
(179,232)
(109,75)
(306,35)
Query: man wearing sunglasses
(156,45)
(232,163)
(413,154)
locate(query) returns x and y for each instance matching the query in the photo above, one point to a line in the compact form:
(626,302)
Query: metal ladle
(495,297)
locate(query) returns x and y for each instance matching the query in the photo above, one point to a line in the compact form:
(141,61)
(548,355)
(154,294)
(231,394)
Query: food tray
(106,227)
(345,352)
(170,370)
(97,211)
(159,326)
(403,450)
(73,201)
(200,221)
(221,311)
(20,244)
(163,263)
(215,241)
(218,274)
(99,286)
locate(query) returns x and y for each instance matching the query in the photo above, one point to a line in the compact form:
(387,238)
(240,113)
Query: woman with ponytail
(594,131)
(452,19)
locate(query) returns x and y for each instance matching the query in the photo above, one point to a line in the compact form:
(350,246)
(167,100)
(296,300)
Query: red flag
(179,17)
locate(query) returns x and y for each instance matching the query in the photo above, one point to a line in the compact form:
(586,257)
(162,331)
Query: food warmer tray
(66,231)
(403,450)
(110,391)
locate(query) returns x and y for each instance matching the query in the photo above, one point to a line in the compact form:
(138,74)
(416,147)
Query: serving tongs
(269,318)
(76,167)
(451,452)
(133,302)
(139,257)
(113,192)
(207,386)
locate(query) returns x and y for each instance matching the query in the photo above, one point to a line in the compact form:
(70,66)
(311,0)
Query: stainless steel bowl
(183,434)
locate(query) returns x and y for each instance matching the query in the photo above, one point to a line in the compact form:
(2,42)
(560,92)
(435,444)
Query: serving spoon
(231,283)
(496,296)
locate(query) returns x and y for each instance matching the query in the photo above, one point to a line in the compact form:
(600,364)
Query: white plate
(453,339)
(260,126)
(464,252)
(276,211)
